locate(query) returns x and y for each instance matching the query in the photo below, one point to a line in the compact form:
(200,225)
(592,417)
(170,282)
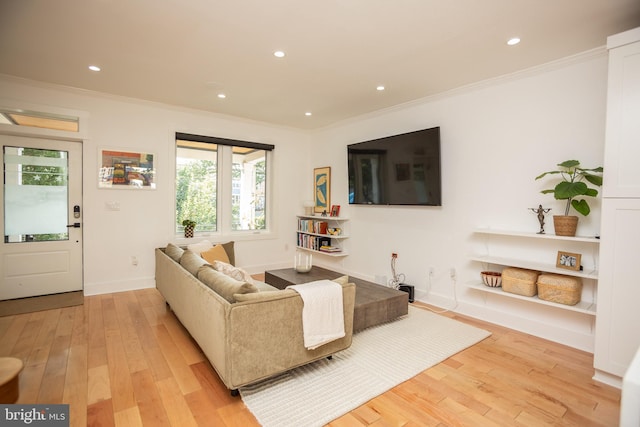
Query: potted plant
(189,226)
(572,188)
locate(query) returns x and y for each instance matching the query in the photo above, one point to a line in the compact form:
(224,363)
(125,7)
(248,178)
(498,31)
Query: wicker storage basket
(559,288)
(519,281)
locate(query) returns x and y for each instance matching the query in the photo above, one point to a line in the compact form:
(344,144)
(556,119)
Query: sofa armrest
(265,336)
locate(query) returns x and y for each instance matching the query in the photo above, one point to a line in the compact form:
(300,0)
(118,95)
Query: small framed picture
(568,260)
(335,210)
(322,189)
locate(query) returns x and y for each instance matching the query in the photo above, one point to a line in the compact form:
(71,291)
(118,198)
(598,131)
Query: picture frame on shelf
(568,260)
(335,210)
(322,189)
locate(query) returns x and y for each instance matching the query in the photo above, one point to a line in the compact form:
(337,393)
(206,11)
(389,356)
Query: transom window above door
(36,119)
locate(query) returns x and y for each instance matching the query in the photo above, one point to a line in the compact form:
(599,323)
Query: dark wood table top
(365,291)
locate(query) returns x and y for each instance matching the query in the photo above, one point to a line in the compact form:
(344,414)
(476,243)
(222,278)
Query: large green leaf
(592,192)
(581,207)
(547,173)
(594,179)
(568,190)
(569,164)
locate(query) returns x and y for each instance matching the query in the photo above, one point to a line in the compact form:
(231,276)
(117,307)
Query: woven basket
(559,288)
(493,279)
(519,281)
(565,225)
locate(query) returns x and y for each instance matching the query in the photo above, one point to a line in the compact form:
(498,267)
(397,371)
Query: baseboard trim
(102,288)
(39,303)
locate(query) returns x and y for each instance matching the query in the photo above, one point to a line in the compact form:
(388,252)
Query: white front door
(41,217)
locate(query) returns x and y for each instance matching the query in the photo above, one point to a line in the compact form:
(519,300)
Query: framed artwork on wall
(322,189)
(127,170)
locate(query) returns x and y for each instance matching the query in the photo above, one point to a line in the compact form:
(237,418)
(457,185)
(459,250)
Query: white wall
(145,219)
(496,138)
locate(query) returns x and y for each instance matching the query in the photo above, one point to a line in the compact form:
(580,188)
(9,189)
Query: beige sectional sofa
(246,336)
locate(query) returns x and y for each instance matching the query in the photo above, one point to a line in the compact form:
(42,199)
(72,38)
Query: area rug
(379,358)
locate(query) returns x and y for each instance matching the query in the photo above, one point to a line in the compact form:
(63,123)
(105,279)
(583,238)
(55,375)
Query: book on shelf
(330,249)
(312,242)
(312,226)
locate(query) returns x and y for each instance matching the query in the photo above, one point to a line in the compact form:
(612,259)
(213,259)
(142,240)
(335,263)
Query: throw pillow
(228,248)
(173,251)
(200,246)
(224,286)
(231,271)
(216,253)
(192,262)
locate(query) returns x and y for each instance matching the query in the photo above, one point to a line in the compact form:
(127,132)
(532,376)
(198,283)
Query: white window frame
(225,193)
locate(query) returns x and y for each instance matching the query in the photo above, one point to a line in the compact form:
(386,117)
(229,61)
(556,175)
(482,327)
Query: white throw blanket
(322,313)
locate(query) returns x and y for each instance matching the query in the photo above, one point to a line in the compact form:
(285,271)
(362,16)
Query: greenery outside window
(221,184)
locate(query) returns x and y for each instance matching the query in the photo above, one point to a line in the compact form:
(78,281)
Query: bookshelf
(322,234)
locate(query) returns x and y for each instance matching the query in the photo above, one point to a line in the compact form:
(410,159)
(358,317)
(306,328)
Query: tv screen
(396,170)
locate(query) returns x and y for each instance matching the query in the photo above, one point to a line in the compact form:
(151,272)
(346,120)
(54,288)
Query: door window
(35,194)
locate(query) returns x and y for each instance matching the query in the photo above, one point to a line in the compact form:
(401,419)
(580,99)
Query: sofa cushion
(224,285)
(174,252)
(268,292)
(231,271)
(216,253)
(192,262)
(342,280)
(265,295)
(263,287)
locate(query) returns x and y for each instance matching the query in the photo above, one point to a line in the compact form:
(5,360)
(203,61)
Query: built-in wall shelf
(331,254)
(585,307)
(311,232)
(531,235)
(511,241)
(533,265)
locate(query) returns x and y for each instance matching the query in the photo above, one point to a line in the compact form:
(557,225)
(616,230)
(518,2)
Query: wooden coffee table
(375,304)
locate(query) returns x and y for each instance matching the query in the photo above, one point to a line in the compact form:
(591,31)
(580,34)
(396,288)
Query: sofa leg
(330,357)
(235,392)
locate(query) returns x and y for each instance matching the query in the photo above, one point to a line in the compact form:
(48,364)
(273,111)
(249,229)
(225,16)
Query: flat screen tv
(396,170)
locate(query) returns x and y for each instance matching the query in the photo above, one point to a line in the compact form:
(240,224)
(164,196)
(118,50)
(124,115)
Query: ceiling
(186,52)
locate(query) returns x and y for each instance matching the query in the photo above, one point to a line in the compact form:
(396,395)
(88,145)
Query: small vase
(565,225)
(188,231)
(302,262)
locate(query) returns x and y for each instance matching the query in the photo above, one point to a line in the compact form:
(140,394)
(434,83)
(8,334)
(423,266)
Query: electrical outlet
(452,272)
(134,260)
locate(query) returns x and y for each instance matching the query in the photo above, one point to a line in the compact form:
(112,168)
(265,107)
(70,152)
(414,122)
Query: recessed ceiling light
(380,88)
(278,54)
(94,68)
(222,96)
(513,41)
(308,113)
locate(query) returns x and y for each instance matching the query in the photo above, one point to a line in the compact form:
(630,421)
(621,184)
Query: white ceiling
(184,52)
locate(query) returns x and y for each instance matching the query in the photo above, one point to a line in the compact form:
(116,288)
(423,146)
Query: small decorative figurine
(540,211)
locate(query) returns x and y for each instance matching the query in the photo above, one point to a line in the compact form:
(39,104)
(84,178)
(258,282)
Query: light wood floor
(123,359)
